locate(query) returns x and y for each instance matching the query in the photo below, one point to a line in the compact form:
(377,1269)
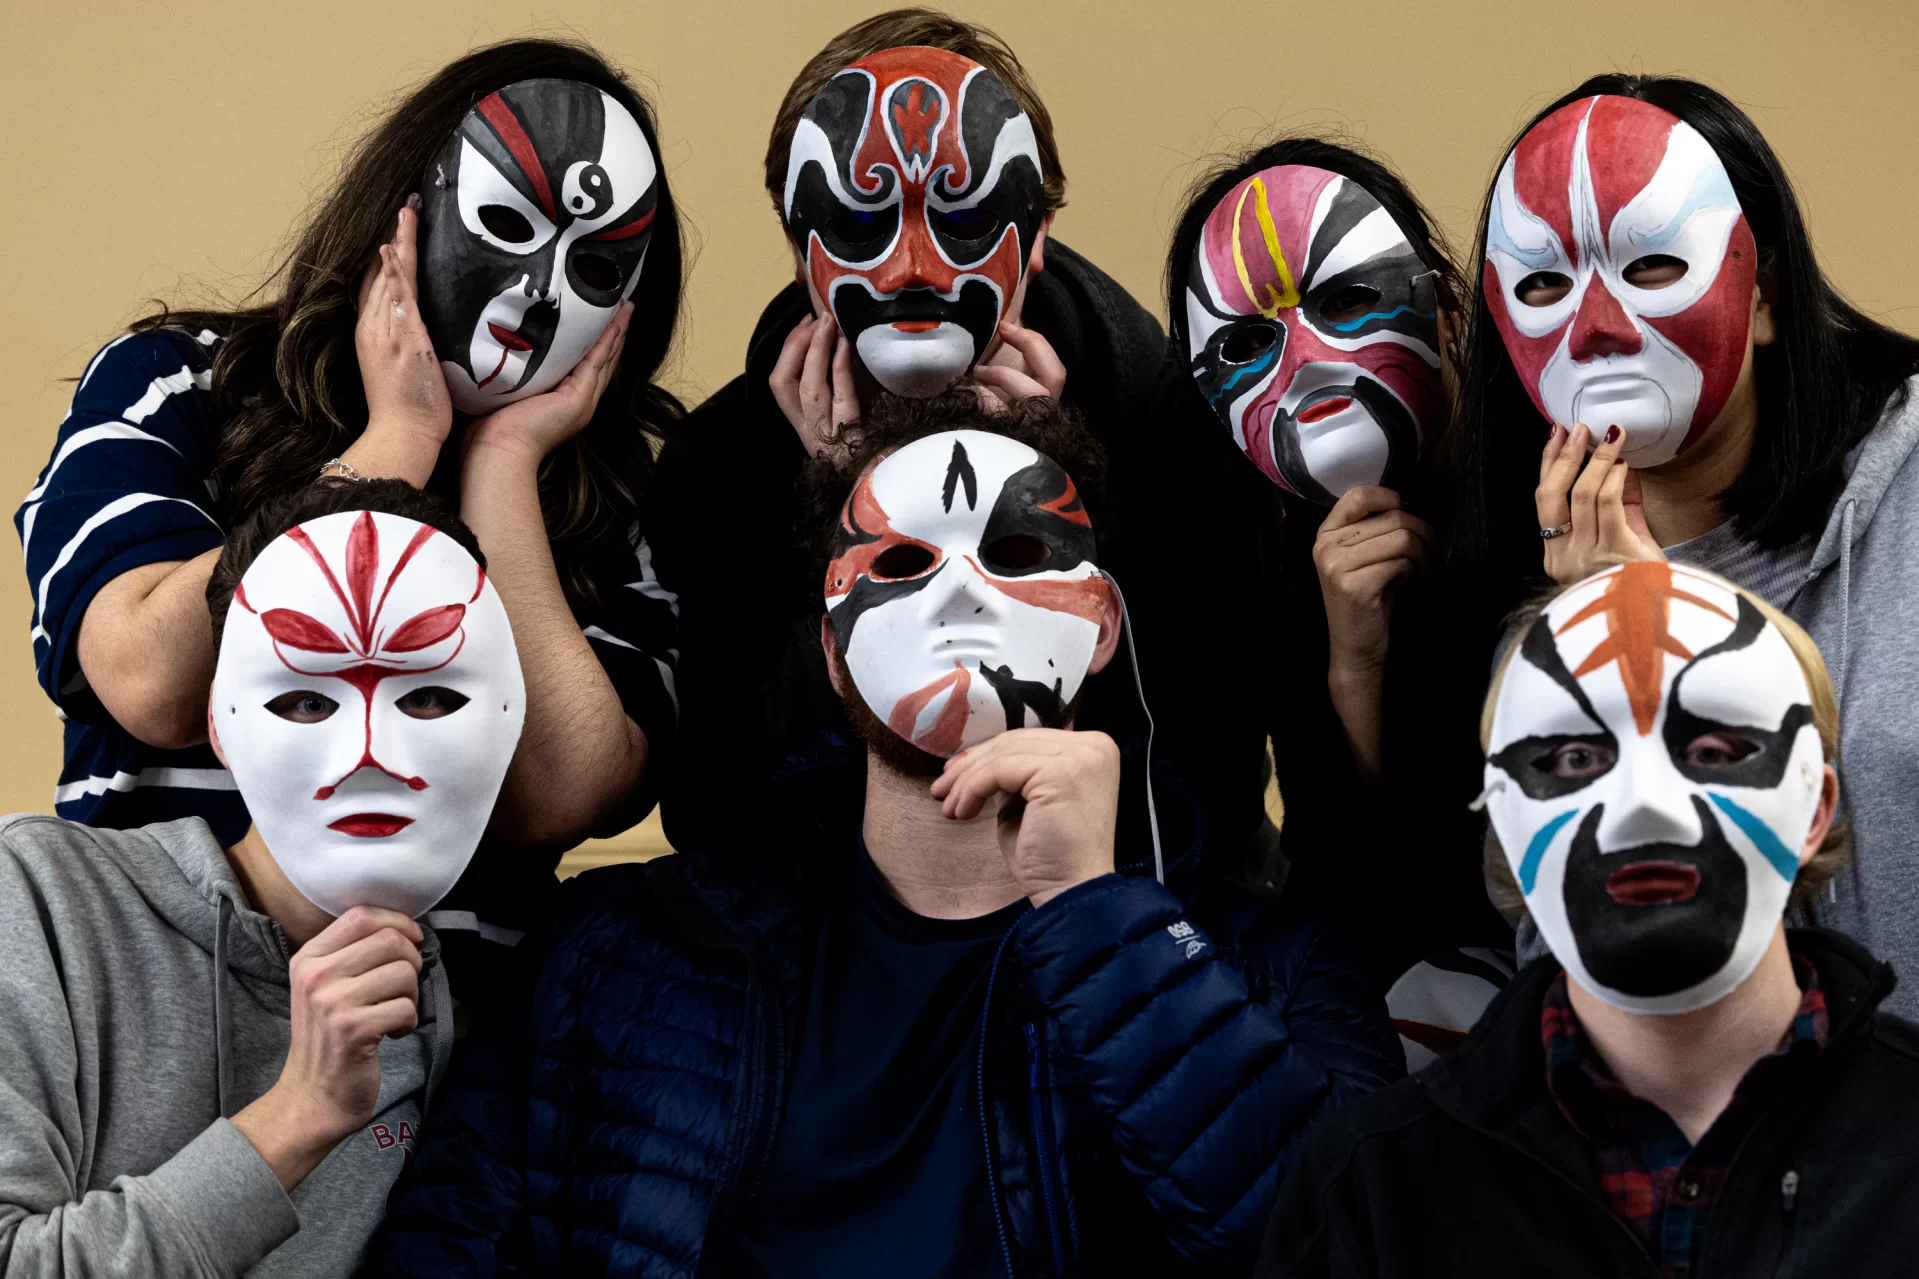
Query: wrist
(1040,894)
(400,431)
(291,1131)
(1354,672)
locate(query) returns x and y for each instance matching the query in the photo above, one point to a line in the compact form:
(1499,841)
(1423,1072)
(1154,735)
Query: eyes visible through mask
(506,224)
(1584,758)
(304,706)
(1654,271)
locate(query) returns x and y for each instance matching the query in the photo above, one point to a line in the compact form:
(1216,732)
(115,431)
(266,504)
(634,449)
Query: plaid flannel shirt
(1654,1180)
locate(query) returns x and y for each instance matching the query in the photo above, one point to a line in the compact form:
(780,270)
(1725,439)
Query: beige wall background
(165,150)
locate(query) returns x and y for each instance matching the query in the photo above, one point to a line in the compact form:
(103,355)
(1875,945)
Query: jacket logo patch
(1183,932)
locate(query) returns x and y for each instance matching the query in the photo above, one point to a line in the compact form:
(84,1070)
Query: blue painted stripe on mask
(1529,865)
(1265,363)
(1762,837)
(1370,316)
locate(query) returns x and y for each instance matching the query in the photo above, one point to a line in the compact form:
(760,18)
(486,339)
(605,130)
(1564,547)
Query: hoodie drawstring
(222,1019)
(439,1000)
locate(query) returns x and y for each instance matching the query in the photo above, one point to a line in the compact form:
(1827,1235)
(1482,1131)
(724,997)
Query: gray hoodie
(1861,603)
(142,1003)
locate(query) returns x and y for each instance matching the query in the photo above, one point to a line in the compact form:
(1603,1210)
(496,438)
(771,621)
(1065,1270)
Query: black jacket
(1146,1068)
(763,734)
(1469,1168)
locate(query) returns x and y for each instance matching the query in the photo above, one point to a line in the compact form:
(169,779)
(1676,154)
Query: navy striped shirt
(130,483)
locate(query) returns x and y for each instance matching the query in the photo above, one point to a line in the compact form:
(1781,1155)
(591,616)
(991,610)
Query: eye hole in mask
(1718,750)
(1543,288)
(596,271)
(509,225)
(1577,758)
(901,561)
(303,706)
(1015,553)
(963,224)
(432,702)
(859,226)
(1655,271)
(1248,343)
(1349,303)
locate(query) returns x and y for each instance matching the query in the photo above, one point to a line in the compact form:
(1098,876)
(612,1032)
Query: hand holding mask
(1653,772)
(367,699)
(1313,332)
(915,193)
(535,221)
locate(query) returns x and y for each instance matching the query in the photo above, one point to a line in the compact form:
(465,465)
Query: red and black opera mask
(534,222)
(914,189)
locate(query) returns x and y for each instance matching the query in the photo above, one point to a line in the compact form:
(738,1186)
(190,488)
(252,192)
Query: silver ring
(1548,534)
(399,312)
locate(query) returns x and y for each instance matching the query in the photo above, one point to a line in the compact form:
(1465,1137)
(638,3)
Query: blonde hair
(1833,850)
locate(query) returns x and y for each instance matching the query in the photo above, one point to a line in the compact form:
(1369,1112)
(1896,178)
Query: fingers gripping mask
(368,699)
(914,189)
(1619,269)
(963,594)
(1312,329)
(1653,772)
(534,222)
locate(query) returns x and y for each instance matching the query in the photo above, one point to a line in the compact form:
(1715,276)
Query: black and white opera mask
(534,222)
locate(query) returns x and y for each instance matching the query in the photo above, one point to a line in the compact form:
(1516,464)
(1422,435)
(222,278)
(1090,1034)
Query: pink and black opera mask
(1313,331)
(534,222)
(914,191)
(963,594)
(1620,269)
(368,698)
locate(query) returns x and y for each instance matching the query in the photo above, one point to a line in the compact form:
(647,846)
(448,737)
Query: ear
(1821,816)
(1036,260)
(831,643)
(1109,628)
(213,736)
(1764,331)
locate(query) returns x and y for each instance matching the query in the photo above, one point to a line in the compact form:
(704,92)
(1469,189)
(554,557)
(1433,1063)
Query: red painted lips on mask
(371,825)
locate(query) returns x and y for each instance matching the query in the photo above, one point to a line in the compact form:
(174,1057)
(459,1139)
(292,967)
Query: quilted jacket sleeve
(461,1210)
(1210,1065)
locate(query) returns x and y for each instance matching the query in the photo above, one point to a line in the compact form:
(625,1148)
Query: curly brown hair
(1042,424)
(286,392)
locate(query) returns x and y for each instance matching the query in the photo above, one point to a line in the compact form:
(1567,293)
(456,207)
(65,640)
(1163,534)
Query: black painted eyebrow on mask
(1765,768)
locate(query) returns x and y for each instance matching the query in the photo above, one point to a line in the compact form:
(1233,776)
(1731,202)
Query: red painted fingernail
(1612,433)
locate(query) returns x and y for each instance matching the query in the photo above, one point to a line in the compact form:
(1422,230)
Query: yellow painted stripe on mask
(1277,298)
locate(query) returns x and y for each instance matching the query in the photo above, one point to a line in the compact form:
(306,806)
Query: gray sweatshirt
(142,1003)
(1861,603)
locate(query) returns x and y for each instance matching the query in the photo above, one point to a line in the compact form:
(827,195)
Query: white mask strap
(1139,686)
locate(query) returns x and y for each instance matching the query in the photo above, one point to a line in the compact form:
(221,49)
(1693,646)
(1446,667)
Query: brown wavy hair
(286,392)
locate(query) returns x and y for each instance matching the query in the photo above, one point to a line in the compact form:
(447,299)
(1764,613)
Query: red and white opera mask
(368,699)
(1619,269)
(963,594)
(535,218)
(914,189)
(1312,329)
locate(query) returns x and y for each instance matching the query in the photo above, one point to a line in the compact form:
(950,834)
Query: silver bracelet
(338,468)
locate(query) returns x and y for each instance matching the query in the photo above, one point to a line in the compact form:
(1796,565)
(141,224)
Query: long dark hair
(1379,181)
(286,392)
(1822,385)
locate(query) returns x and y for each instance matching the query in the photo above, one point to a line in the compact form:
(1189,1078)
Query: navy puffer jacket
(1146,1071)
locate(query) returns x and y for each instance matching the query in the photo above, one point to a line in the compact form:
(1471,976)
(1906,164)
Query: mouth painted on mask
(1652,883)
(1659,948)
(371,825)
(1312,330)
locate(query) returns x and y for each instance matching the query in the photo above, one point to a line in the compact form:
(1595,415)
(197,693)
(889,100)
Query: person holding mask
(954,1040)
(1683,1086)
(217,1059)
(1650,294)
(1312,301)
(914,169)
(456,314)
